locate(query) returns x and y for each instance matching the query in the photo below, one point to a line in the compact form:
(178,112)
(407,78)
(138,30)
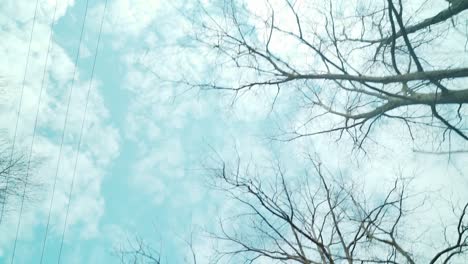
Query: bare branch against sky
(354,67)
(355,64)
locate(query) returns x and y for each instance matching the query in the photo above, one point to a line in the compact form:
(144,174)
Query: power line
(34,130)
(18,114)
(63,132)
(81,131)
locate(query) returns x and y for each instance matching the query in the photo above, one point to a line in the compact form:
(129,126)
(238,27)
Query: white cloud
(158,167)
(131,17)
(23,11)
(100,140)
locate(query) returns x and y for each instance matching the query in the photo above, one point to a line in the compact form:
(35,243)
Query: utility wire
(49,46)
(81,131)
(63,132)
(18,113)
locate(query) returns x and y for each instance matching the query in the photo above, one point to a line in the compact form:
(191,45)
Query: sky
(139,167)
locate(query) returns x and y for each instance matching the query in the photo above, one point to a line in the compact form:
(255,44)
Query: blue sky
(140,165)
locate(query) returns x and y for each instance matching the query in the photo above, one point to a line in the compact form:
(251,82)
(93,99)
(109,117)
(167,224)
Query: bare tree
(320,219)
(16,181)
(326,220)
(137,251)
(353,63)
